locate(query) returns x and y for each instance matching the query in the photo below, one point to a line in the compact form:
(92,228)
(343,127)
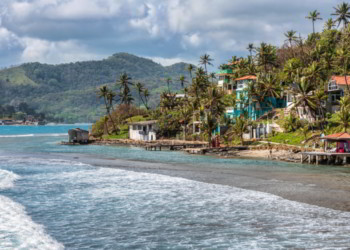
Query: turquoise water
(49,202)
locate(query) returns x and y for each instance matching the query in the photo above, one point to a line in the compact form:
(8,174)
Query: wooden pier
(172,147)
(325,157)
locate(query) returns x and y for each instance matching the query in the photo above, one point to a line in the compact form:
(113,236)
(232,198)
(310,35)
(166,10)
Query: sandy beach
(316,185)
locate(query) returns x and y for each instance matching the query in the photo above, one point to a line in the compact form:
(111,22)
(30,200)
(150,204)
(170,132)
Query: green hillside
(69,90)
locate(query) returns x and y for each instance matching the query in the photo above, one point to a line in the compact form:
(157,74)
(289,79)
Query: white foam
(34,135)
(7,179)
(18,231)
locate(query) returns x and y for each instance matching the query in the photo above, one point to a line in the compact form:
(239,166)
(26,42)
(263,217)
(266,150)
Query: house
(78,135)
(143,131)
(225,80)
(337,85)
(252,107)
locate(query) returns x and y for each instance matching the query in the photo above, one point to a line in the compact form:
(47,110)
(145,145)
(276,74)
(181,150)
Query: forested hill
(69,90)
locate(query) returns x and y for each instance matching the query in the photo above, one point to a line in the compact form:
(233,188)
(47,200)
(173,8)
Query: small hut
(342,140)
(78,135)
(143,131)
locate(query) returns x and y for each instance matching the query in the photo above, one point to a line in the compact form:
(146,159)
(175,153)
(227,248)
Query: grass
(124,129)
(16,76)
(293,138)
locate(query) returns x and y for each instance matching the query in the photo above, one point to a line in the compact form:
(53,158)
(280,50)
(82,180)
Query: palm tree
(190,68)
(342,59)
(240,127)
(214,107)
(103,93)
(321,97)
(125,93)
(250,48)
(343,115)
(314,16)
(146,96)
(342,11)
(212,76)
(205,60)
(182,80)
(291,37)
(140,88)
(329,24)
(110,98)
(269,87)
(168,81)
(266,56)
(304,96)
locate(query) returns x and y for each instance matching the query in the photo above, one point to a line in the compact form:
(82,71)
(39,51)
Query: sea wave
(18,231)
(7,179)
(34,135)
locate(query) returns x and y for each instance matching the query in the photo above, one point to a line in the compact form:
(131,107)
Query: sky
(166,31)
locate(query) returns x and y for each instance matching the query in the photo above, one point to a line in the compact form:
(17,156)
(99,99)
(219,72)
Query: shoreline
(326,188)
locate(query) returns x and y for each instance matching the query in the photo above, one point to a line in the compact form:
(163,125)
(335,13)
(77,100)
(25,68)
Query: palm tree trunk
(313,27)
(109,114)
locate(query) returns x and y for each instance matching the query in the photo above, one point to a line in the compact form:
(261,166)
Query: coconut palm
(140,88)
(266,56)
(343,115)
(250,48)
(342,11)
(168,82)
(125,93)
(269,88)
(146,96)
(190,68)
(314,16)
(304,96)
(212,76)
(214,106)
(329,24)
(291,37)
(341,62)
(106,94)
(182,80)
(240,127)
(205,60)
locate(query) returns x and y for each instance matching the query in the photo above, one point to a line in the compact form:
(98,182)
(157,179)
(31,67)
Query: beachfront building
(225,82)
(143,131)
(252,107)
(336,88)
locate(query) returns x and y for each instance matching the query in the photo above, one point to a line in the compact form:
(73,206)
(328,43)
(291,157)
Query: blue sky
(167,31)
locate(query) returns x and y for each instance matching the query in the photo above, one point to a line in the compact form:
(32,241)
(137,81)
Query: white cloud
(8,40)
(62,30)
(170,61)
(193,40)
(54,52)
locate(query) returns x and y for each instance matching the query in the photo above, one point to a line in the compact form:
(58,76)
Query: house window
(139,127)
(134,127)
(150,127)
(332,86)
(229,87)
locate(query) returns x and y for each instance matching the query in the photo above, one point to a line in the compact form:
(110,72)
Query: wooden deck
(160,147)
(325,157)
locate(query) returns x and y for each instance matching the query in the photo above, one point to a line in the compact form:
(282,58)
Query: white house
(336,88)
(143,131)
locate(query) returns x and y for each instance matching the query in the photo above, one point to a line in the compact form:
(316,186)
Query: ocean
(48,201)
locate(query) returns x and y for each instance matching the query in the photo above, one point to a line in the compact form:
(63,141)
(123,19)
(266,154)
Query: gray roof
(143,122)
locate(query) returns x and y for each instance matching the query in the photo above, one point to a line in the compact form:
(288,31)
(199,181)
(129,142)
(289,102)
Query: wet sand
(316,185)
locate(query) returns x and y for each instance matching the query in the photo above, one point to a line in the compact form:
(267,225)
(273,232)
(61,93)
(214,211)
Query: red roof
(338,136)
(341,79)
(249,77)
